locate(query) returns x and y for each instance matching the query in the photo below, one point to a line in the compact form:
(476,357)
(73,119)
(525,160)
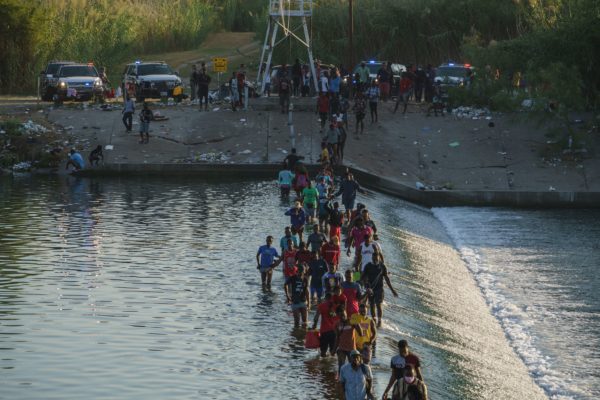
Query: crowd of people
(345,294)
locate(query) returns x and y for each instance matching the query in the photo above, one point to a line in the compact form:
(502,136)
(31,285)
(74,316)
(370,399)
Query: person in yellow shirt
(365,342)
(324,158)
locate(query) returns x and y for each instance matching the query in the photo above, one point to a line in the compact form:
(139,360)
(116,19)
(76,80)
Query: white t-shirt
(324,84)
(366,253)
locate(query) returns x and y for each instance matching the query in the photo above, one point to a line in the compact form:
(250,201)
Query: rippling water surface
(148,289)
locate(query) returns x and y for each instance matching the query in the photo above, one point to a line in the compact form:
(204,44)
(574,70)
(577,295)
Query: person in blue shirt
(297,218)
(285,181)
(288,235)
(75,160)
(267,259)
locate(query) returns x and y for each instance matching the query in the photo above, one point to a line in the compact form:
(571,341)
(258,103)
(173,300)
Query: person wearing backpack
(399,363)
(356,378)
(409,387)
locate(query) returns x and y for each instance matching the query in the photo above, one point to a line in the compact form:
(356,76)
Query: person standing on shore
(128,111)
(373,96)
(285,88)
(233,90)
(267,259)
(145,117)
(363,75)
(203,83)
(296,77)
(359,108)
(323,109)
(241,78)
(383,77)
(404,92)
(193,83)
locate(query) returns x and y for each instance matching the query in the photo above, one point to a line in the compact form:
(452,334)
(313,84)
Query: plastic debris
(109,147)
(210,157)
(470,112)
(32,127)
(22,166)
(246,151)
(552,188)
(242,119)
(454,144)
(420,186)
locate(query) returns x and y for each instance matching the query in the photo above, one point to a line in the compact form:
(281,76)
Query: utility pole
(350,35)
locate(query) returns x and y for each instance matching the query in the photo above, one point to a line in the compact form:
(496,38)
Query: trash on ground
(246,151)
(242,119)
(32,127)
(109,147)
(552,188)
(420,186)
(22,166)
(212,156)
(470,112)
(454,144)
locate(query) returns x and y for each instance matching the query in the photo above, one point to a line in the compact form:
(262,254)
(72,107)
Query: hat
(354,353)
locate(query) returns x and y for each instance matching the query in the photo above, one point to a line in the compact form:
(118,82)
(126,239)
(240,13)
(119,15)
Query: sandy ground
(436,151)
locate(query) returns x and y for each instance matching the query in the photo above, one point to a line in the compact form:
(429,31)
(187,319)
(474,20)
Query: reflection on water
(149,289)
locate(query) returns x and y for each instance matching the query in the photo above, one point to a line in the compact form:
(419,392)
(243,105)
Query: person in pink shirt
(358,234)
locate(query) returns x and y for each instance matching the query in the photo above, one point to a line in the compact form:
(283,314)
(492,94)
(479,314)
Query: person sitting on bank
(75,160)
(96,155)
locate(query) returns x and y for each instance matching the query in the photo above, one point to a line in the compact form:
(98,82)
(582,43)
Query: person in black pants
(203,82)
(128,111)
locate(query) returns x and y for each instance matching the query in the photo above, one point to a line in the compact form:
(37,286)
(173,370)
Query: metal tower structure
(289,16)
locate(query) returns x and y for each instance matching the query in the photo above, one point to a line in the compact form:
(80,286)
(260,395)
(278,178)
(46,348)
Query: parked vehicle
(150,79)
(49,79)
(452,74)
(79,82)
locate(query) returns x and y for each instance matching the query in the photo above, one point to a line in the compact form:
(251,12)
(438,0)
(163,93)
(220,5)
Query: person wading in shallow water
(296,292)
(372,278)
(267,259)
(398,364)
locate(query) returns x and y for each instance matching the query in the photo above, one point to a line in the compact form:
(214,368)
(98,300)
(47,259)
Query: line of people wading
(311,257)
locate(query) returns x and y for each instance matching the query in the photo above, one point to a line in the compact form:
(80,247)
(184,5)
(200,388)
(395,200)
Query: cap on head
(355,353)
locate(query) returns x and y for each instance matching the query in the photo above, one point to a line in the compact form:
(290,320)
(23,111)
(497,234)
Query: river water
(148,289)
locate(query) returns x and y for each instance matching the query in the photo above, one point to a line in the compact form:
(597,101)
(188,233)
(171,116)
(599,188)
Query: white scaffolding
(290,16)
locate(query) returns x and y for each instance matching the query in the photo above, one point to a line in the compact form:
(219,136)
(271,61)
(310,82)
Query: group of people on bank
(347,305)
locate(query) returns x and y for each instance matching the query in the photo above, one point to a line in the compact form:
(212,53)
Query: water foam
(514,320)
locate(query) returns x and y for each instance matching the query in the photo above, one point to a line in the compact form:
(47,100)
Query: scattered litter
(527,103)
(415,142)
(454,144)
(216,109)
(32,127)
(552,188)
(404,174)
(284,151)
(109,147)
(470,112)
(246,151)
(22,166)
(242,119)
(502,153)
(69,128)
(214,156)
(420,186)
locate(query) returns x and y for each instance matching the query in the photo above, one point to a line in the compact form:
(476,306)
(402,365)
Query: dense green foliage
(106,31)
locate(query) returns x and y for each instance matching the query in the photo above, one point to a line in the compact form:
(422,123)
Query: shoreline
(427,198)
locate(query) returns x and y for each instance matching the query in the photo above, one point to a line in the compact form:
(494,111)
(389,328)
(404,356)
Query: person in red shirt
(353,294)
(329,320)
(339,299)
(303,256)
(289,261)
(405,87)
(336,220)
(331,251)
(323,109)
(399,362)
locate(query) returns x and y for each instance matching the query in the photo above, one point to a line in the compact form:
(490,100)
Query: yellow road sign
(219,64)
